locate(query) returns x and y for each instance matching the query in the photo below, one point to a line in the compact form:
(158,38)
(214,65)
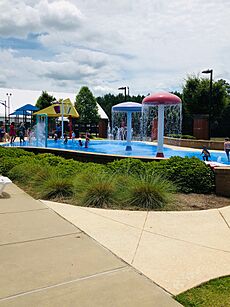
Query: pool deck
(47,260)
(176,250)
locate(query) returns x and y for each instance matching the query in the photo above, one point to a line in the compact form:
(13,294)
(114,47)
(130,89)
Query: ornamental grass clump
(55,186)
(149,191)
(97,190)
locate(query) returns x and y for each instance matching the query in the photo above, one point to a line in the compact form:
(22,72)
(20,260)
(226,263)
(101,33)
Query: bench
(3,182)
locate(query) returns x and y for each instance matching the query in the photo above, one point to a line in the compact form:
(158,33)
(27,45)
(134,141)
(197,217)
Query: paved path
(47,261)
(177,250)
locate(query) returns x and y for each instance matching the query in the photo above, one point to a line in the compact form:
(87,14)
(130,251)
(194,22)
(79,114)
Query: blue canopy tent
(26,110)
(28,107)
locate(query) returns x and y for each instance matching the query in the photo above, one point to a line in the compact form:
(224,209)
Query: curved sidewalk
(177,250)
(47,261)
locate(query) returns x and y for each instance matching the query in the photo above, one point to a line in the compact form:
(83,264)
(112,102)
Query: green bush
(50,159)
(127,166)
(149,191)
(182,136)
(191,175)
(7,163)
(14,152)
(28,172)
(10,157)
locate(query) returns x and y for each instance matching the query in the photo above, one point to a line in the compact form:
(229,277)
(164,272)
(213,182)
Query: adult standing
(22,131)
(12,133)
(227,148)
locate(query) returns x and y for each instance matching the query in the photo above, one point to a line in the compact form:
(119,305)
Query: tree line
(195,97)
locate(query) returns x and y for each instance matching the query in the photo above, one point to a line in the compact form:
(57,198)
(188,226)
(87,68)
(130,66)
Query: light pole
(209,71)
(62,120)
(124,88)
(8,100)
(3,102)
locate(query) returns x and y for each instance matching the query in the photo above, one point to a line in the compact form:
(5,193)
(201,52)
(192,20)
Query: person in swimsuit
(205,153)
(227,148)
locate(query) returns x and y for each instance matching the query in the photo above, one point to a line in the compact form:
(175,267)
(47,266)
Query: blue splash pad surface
(138,149)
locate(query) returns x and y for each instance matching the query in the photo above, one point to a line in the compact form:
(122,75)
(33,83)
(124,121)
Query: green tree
(44,100)
(86,106)
(109,100)
(196,100)
(196,96)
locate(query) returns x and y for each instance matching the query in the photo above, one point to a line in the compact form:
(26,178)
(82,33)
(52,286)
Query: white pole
(160,128)
(62,120)
(129,131)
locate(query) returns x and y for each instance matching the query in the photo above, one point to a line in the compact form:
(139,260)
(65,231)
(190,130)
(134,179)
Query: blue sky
(148,45)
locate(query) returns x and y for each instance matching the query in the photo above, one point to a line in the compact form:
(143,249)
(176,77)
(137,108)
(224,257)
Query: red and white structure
(161,100)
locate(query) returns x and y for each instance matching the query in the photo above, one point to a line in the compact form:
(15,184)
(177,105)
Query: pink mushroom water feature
(161,100)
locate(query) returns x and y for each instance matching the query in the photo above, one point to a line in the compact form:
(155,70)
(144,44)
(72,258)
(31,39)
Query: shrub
(28,172)
(14,152)
(182,136)
(50,159)
(191,175)
(149,191)
(127,166)
(7,163)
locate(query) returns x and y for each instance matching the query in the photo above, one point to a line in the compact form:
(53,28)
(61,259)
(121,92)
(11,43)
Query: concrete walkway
(176,250)
(47,261)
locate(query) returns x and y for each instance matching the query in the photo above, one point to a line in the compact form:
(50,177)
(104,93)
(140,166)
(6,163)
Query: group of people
(206,154)
(13,132)
(73,137)
(80,142)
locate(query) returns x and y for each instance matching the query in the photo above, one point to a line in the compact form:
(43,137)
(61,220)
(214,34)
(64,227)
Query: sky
(148,45)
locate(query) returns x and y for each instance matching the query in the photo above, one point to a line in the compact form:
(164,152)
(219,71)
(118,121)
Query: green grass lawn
(215,293)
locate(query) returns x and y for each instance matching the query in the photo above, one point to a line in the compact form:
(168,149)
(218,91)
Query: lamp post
(209,71)
(124,88)
(3,102)
(62,120)
(8,100)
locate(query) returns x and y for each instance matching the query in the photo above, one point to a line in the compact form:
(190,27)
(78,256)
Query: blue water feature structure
(128,108)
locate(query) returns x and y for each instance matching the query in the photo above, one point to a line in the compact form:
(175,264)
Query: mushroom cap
(128,106)
(163,98)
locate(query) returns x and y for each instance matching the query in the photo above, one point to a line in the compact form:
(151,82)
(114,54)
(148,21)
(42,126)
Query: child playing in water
(65,138)
(80,141)
(205,153)
(73,136)
(55,137)
(86,141)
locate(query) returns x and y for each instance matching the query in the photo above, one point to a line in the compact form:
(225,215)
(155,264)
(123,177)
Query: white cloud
(19,18)
(147,45)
